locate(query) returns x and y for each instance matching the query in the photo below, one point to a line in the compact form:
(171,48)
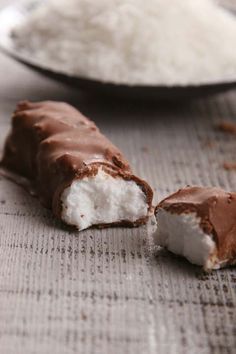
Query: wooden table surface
(111,291)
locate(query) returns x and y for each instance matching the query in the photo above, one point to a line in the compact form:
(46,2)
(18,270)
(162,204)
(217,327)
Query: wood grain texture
(110,291)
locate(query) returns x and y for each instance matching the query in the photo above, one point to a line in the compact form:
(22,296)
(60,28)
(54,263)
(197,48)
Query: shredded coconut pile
(154,42)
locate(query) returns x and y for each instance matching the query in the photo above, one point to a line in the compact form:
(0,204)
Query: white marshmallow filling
(102,199)
(183,235)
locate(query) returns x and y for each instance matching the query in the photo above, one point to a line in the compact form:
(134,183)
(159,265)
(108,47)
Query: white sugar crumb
(155,42)
(102,199)
(182,235)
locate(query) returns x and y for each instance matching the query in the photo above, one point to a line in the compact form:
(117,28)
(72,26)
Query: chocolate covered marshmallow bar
(76,171)
(199,224)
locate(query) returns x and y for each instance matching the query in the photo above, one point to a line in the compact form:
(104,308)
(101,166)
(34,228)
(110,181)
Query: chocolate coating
(52,144)
(217,212)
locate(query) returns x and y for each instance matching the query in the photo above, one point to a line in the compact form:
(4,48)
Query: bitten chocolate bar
(199,224)
(76,171)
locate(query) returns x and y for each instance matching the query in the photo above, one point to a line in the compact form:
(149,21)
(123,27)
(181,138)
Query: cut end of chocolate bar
(103,199)
(200,225)
(182,235)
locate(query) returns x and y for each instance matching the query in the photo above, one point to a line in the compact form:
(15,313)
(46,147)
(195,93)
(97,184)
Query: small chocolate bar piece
(199,224)
(76,171)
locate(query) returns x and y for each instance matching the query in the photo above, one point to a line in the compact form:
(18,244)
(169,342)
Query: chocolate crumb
(145,149)
(84,316)
(227,127)
(229,166)
(3,202)
(208,143)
